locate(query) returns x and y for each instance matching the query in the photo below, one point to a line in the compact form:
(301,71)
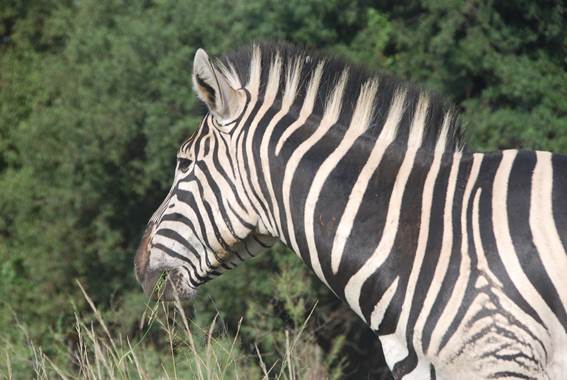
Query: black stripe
(177,217)
(559,205)
(174,254)
(244,177)
(210,91)
(451,276)
(368,224)
(175,236)
(434,243)
(432,373)
(487,174)
(519,190)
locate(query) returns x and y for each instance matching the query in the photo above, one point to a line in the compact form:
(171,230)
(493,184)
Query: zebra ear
(213,87)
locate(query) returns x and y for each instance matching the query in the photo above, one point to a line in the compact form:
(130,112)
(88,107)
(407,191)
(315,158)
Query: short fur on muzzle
(165,285)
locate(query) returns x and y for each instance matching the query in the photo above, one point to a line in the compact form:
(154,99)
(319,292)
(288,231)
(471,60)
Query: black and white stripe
(457,260)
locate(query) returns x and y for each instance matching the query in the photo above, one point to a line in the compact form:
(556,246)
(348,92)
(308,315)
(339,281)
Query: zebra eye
(183,164)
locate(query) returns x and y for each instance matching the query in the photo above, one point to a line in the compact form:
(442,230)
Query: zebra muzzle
(142,258)
(158,283)
(167,285)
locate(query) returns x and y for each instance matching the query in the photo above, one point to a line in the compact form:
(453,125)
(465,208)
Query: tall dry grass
(193,352)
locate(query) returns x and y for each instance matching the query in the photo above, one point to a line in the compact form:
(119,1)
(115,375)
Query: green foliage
(369,44)
(96,96)
(192,352)
(504,63)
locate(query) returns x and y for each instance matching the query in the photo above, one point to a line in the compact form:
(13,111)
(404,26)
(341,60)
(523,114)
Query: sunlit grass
(193,351)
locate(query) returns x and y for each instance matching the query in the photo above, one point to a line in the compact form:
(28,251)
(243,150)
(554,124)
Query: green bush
(95,98)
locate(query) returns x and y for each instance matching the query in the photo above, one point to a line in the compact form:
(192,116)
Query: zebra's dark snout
(142,258)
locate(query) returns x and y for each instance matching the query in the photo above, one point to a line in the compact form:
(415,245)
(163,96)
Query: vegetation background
(95,97)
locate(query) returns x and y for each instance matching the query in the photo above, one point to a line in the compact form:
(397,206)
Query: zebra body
(455,259)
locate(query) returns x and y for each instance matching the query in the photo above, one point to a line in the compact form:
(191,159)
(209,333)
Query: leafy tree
(95,98)
(503,62)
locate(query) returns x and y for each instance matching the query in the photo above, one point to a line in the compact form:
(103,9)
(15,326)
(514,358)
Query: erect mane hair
(251,67)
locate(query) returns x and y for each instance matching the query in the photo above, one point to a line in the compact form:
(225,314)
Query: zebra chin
(170,285)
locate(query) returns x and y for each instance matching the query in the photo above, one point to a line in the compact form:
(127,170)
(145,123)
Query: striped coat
(457,260)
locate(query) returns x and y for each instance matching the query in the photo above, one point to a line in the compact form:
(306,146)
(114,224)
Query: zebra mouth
(159,284)
(169,285)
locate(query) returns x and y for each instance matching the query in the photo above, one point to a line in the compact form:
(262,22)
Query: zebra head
(205,225)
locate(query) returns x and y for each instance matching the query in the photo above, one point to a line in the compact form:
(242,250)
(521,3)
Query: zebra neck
(337,205)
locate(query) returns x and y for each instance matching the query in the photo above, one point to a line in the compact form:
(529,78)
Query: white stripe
(505,246)
(383,250)
(329,119)
(185,210)
(229,197)
(269,96)
(424,225)
(441,144)
(482,262)
(175,246)
(387,135)
(381,306)
(473,326)
(219,219)
(306,109)
(359,123)
(253,84)
(235,143)
(483,302)
(178,248)
(209,231)
(394,350)
(444,254)
(292,83)
(475,305)
(545,235)
(456,298)
(417,130)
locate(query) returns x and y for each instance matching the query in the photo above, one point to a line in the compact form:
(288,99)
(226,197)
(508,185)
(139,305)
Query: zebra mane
(286,74)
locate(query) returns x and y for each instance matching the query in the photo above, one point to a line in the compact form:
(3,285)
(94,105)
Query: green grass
(166,345)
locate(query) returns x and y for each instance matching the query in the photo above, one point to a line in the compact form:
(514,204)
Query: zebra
(455,259)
